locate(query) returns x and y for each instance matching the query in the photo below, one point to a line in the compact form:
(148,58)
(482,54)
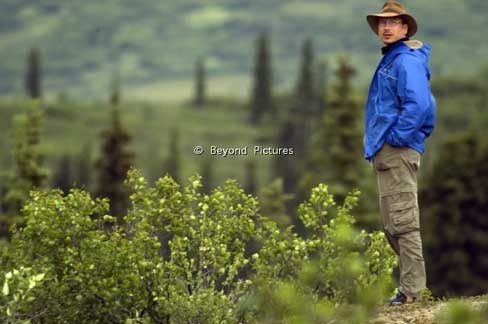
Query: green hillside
(70,128)
(154,44)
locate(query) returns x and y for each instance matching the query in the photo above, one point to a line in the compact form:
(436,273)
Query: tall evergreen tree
(115,161)
(28,158)
(83,176)
(321,88)
(336,156)
(6,221)
(172,162)
(290,168)
(206,171)
(287,167)
(297,127)
(27,153)
(484,86)
(33,74)
(62,178)
(453,206)
(338,147)
(304,103)
(115,92)
(3,204)
(274,201)
(305,88)
(250,184)
(200,83)
(261,102)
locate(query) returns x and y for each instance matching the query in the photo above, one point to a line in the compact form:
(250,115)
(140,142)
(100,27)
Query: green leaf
(5,289)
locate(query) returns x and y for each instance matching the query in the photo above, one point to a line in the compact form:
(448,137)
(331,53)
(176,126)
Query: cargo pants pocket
(391,175)
(404,214)
(397,172)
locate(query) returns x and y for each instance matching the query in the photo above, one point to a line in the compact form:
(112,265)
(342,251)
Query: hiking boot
(401,299)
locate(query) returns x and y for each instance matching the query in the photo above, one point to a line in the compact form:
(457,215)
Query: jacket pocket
(388,89)
(376,129)
(404,215)
(419,137)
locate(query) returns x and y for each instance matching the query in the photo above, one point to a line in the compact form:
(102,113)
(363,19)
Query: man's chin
(388,41)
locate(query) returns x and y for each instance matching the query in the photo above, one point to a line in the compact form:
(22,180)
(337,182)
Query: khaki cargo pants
(396,172)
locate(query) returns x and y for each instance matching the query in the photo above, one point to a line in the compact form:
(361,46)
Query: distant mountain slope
(156,42)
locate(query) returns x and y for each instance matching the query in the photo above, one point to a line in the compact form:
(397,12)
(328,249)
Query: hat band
(393,11)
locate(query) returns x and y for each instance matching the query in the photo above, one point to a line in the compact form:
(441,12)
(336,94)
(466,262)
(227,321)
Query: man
(400,114)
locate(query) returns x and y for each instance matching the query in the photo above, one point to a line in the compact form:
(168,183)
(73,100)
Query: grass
(311,9)
(178,90)
(207,16)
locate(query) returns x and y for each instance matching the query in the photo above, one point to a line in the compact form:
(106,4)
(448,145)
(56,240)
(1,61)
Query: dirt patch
(423,312)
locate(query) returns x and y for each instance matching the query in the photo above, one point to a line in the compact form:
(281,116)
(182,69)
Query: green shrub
(334,265)
(187,257)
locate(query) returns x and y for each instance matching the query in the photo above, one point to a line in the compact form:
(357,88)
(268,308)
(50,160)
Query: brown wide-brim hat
(393,9)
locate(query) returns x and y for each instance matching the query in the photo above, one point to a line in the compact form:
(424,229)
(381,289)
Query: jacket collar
(389,47)
(394,50)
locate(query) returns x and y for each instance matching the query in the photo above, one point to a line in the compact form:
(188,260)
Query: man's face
(391,29)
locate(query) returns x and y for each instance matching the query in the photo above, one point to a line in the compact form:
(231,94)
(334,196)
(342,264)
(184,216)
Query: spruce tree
(453,209)
(172,162)
(27,154)
(290,169)
(336,155)
(33,74)
(28,158)
(200,83)
(321,89)
(287,167)
(3,204)
(115,92)
(206,171)
(298,126)
(345,122)
(338,144)
(6,221)
(250,184)
(115,161)
(62,178)
(274,201)
(305,88)
(304,103)
(261,102)
(83,176)
(484,86)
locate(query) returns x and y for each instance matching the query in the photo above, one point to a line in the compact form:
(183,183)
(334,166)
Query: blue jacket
(401,108)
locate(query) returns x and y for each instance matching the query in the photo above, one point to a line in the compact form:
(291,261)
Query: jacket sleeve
(413,91)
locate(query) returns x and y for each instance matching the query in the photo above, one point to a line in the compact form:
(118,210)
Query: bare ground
(424,312)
